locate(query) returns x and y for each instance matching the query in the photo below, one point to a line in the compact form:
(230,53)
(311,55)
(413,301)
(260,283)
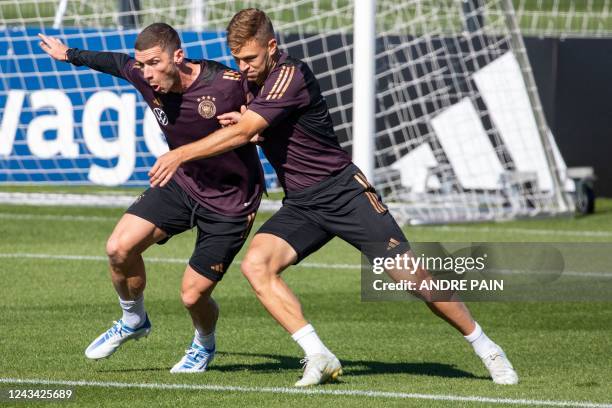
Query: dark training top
(229,184)
(300,142)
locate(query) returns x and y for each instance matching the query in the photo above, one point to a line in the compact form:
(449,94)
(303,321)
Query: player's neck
(188,73)
(271,63)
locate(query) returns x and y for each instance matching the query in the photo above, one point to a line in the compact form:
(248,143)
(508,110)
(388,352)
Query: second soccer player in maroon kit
(325,194)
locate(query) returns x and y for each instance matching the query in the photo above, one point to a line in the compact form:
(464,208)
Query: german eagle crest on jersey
(207,108)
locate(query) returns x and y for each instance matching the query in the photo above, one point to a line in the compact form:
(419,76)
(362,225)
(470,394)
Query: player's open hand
(229,118)
(52,46)
(165,167)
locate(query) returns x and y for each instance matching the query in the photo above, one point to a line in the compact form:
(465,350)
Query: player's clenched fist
(54,47)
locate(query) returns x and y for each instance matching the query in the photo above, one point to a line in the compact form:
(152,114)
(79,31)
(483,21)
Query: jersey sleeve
(113,63)
(283,92)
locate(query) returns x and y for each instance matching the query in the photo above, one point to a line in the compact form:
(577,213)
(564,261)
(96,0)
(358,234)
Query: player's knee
(255,268)
(118,251)
(190,297)
(193,298)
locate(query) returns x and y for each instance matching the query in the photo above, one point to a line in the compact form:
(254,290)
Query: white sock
(205,340)
(133,312)
(483,346)
(308,340)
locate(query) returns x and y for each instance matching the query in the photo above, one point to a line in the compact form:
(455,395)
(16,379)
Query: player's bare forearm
(221,141)
(224,139)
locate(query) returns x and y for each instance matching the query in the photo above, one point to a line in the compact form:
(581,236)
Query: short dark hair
(158,34)
(249,24)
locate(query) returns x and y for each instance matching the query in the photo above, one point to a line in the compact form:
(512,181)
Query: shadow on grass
(350,367)
(135,370)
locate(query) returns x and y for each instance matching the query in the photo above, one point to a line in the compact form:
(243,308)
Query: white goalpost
(364,69)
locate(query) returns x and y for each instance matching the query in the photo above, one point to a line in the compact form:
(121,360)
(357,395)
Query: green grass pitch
(56,297)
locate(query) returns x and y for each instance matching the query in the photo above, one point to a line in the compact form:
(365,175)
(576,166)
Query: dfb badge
(207,108)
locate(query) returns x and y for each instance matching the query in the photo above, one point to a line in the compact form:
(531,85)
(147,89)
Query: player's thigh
(133,233)
(268,254)
(167,208)
(217,244)
(289,236)
(367,224)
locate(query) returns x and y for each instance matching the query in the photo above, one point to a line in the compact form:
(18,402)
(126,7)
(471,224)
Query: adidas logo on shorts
(392,243)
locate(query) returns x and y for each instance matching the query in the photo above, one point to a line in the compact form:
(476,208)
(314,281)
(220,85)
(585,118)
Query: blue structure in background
(24,66)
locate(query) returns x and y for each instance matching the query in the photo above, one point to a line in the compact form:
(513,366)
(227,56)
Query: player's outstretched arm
(225,139)
(54,47)
(107,62)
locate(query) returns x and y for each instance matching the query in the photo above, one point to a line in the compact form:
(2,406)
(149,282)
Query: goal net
(460,134)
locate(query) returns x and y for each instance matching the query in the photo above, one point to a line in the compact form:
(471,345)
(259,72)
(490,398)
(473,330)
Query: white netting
(459,129)
(585,18)
(565,18)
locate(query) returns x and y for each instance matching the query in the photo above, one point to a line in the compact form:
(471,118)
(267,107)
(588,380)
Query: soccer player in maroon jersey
(219,195)
(325,194)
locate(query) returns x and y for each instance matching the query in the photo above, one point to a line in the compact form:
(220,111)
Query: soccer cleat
(108,342)
(319,369)
(195,360)
(500,368)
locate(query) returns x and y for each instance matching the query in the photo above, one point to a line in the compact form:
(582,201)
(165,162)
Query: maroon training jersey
(230,184)
(300,142)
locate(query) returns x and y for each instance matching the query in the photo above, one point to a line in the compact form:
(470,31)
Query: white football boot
(109,341)
(319,369)
(195,360)
(500,368)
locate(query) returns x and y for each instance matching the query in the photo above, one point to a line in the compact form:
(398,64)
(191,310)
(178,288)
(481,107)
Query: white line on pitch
(67,218)
(314,265)
(527,231)
(160,260)
(51,217)
(314,391)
